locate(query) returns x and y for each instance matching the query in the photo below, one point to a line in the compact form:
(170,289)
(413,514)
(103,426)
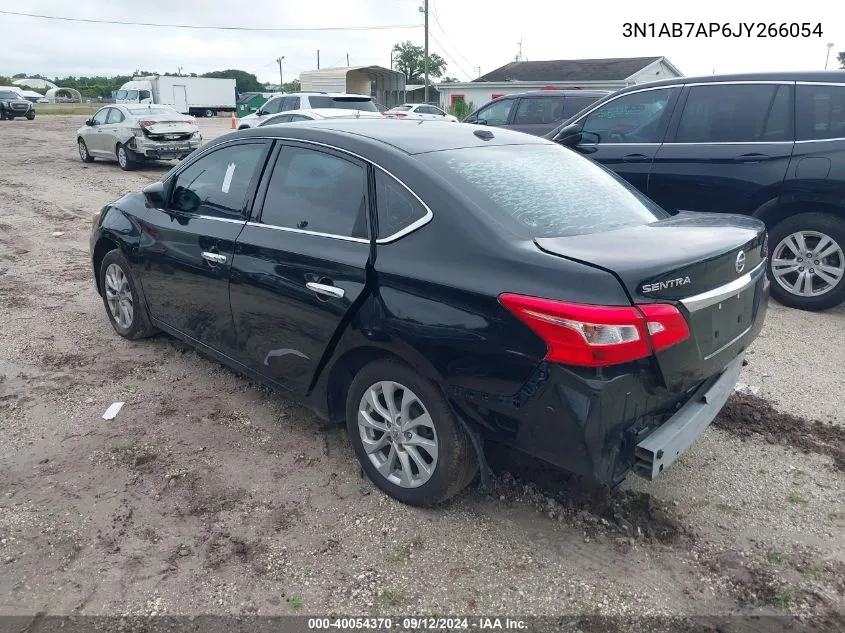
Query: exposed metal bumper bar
(666,444)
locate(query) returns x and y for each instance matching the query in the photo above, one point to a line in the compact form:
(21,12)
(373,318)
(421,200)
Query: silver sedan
(131,134)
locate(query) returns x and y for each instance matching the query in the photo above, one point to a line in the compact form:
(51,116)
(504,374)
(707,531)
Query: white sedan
(419,111)
(318,114)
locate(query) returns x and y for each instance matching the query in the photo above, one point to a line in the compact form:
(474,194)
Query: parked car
(537,112)
(321,258)
(419,111)
(131,134)
(12,105)
(307,101)
(767,145)
(380,107)
(316,115)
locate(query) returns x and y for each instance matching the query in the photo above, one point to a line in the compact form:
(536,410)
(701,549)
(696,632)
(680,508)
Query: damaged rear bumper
(667,443)
(162,150)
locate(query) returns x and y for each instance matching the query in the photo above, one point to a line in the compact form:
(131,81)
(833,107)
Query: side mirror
(89,122)
(569,135)
(480,121)
(185,200)
(154,194)
(259,112)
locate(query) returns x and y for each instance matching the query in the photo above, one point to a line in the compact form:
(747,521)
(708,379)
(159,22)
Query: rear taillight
(598,336)
(399,114)
(147,123)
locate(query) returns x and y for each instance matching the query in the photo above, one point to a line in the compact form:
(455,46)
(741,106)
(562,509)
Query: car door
(186,249)
(96,138)
(728,148)
(301,263)
(111,131)
(537,114)
(624,133)
(497,113)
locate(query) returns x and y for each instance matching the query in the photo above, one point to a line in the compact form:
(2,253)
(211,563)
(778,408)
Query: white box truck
(198,96)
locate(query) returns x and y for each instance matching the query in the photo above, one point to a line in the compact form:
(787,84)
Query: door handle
(750,157)
(634,157)
(323,289)
(214,258)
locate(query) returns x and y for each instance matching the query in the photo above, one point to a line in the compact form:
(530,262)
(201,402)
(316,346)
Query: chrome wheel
(808,263)
(398,434)
(83,150)
(122,157)
(119,296)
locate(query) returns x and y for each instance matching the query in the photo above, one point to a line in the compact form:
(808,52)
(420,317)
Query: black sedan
(440,287)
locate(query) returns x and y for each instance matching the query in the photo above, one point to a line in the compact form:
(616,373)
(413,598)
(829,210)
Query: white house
(561,74)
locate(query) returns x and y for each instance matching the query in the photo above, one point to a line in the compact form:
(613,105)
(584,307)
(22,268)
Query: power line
(218,28)
(449,39)
(452,59)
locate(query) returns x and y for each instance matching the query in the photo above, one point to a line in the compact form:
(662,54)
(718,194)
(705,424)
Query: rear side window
(311,190)
(731,113)
(544,190)
(115,116)
(496,113)
(397,207)
(217,184)
(539,110)
(636,117)
(574,105)
(820,112)
(343,103)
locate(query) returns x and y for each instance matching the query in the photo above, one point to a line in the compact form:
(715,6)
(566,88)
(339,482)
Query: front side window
(217,184)
(144,94)
(496,113)
(312,190)
(397,207)
(820,112)
(290,103)
(543,190)
(100,117)
(735,113)
(631,118)
(273,106)
(539,110)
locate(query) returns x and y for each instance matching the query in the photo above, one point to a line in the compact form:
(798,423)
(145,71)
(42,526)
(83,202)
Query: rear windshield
(343,103)
(400,108)
(544,190)
(145,111)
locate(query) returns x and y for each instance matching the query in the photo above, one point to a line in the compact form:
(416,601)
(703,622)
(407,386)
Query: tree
(409,60)
(244,81)
(841,59)
(292,86)
(449,80)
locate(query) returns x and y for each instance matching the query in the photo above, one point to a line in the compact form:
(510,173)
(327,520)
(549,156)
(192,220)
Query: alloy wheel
(398,434)
(83,150)
(808,263)
(119,296)
(122,158)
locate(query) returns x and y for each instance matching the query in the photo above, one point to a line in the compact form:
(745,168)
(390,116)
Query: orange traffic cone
(234,121)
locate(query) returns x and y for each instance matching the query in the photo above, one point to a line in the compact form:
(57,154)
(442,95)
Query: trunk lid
(169,125)
(710,266)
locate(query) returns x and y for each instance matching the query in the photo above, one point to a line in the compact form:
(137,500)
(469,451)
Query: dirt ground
(210,494)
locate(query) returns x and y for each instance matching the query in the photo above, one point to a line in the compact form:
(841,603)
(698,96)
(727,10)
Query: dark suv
(13,105)
(537,112)
(767,145)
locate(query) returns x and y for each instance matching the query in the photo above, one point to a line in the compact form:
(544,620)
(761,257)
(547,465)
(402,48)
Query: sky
(468,35)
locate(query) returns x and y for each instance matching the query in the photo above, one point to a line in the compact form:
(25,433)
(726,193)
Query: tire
(30,116)
(83,152)
(125,157)
(453,462)
(209,113)
(2,115)
(815,229)
(118,285)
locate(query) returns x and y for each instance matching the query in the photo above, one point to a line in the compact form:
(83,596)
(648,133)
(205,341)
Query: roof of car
(410,137)
(328,113)
(563,93)
(322,94)
(836,76)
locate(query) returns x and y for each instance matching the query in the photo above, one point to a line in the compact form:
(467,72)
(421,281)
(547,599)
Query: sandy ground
(211,494)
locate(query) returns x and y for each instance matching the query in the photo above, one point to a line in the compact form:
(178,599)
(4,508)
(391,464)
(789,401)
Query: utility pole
(826,59)
(479,72)
(424,9)
(318,59)
(281,76)
(347,59)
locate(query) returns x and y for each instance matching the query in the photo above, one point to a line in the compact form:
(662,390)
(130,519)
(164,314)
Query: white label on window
(227,179)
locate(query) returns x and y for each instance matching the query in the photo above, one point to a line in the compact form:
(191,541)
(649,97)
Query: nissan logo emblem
(740,262)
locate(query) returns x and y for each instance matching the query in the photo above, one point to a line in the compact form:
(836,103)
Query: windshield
(146,111)
(126,94)
(343,103)
(544,190)
(8,94)
(400,108)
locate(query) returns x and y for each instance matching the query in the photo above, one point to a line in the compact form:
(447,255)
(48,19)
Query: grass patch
(782,600)
(295,602)
(392,596)
(65,108)
(776,557)
(796,499)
